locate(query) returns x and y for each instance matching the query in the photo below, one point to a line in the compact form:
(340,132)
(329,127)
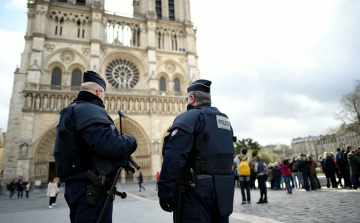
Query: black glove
(133,144)
(166,204)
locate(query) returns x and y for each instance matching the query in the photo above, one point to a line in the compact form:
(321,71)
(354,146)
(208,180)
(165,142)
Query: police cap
(200,85)
(92,76)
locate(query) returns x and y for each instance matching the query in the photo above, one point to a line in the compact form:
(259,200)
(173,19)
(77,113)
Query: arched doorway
(142,153)
(44,159)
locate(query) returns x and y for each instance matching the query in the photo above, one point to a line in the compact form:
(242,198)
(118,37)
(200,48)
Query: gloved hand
(134,144)
(166,204)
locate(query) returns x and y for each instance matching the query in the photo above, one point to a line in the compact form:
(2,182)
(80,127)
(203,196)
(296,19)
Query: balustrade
(54,98)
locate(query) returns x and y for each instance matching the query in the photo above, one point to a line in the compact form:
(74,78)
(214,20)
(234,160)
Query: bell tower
(147,59)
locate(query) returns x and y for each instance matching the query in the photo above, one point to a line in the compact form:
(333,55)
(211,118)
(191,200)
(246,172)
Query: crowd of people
(19,187)
(340,169)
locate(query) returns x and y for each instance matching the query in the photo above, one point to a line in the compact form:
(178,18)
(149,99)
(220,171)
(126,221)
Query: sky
(278,68)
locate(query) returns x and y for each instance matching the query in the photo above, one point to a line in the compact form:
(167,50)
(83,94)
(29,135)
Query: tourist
(286,173)
(329,167)
(52,191)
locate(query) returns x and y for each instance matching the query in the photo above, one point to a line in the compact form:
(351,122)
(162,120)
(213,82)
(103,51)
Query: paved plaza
(325,205)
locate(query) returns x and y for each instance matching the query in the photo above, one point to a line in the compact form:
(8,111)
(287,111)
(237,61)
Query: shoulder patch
(223,122)
(174,132)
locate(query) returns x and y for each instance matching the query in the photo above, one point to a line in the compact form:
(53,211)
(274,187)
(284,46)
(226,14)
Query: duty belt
(201,177)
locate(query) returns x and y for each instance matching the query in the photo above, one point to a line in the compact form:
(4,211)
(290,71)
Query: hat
(200,85)
(92,76)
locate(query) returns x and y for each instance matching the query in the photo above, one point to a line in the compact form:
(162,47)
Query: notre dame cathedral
(148,60)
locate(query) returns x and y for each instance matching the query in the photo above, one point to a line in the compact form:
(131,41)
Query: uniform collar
(85,96)
(191,107)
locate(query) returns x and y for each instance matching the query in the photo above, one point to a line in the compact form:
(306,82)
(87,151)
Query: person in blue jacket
(88,141)
(198,156)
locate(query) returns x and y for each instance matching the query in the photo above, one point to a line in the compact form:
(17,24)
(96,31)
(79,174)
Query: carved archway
(143,151)
(44,155)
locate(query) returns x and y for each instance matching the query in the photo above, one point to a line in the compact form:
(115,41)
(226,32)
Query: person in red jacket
(157,179)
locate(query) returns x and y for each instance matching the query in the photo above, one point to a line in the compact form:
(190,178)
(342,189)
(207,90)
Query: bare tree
(350,109)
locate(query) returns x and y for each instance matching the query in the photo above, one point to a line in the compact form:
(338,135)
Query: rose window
(122,74)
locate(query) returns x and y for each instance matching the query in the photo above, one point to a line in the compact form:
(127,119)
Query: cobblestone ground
(322,205)
(325,205)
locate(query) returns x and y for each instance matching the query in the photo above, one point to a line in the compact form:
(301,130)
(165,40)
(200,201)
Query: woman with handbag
(286,173)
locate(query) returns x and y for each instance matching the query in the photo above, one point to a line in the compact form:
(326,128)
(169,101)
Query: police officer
(87,141)
(198,156)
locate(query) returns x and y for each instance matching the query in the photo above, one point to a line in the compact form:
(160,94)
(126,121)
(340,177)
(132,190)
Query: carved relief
(67,57)
(182,60)
(23,150)
(170,67)
(143,55)
(85,50)
(104,50)
(49,47)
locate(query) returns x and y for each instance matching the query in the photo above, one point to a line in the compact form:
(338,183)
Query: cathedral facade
(147,59)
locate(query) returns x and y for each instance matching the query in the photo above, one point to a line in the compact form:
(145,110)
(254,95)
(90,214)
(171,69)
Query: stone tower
(148,59)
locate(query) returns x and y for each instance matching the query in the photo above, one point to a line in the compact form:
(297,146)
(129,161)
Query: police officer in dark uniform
(196,179)
(87,141)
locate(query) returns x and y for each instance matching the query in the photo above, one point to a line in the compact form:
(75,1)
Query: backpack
(295,167)
(260,167)
(265,169)
(244,168)
(342,158)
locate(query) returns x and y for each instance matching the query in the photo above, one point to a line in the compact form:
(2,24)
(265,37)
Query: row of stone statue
(44,102)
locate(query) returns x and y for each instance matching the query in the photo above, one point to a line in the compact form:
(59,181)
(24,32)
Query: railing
(109,90)
(136,16)
(52,98)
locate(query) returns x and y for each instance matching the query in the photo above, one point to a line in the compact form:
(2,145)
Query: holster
(94,189)
(93,192)
(188,176)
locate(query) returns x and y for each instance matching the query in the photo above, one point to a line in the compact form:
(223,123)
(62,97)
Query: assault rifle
(131,166)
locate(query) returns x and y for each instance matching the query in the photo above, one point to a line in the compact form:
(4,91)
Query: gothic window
(56,77)
(81,29)
(122,74)
(162,84)
(171,10)
(176,85)
(174,43)
(159,40)
(76,78)
(158,9)
(58,26)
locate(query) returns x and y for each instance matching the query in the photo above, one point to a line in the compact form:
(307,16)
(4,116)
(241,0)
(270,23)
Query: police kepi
(198,158)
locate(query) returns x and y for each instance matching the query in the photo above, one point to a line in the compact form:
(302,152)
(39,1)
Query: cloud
(16,4)
(279,70)
(9,58)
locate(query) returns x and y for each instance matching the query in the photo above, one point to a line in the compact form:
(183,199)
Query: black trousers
(51,200)
(261,183)
(20,193)
(331,174)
